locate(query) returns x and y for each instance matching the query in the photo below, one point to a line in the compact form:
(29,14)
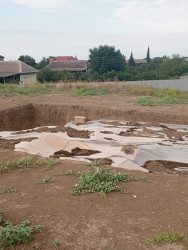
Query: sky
(43,28)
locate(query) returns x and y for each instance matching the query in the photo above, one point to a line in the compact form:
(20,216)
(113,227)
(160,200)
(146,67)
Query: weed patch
(26,164)
(168,100)
(35,90)
(86,91)
(44,180)
(20,234)
(149,101)
(167,238)
(11,189)
(100,180)
(145,101)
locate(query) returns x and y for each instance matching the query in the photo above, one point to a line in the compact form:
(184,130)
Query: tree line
(109,64)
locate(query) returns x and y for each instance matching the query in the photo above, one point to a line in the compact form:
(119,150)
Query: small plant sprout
(38,246)
(57,242)
(44,180)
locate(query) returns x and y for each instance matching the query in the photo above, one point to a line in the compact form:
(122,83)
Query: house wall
(28,78)
(10,79)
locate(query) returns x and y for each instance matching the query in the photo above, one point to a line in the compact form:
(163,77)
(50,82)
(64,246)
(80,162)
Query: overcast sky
(71,27)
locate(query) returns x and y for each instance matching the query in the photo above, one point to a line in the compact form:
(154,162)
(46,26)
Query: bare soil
(74,152)
(119,221)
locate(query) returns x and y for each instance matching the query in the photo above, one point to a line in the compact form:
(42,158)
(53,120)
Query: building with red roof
(62,58)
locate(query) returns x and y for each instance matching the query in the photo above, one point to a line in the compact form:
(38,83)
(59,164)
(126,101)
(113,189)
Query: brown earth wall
(32,115)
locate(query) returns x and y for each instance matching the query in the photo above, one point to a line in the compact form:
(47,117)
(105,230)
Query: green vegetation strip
(100,180)
(44,180)
(149,101)
(167,238)
(168,96)
(20,234)
(11,189)
(84,90)
(26,164)
(34,90)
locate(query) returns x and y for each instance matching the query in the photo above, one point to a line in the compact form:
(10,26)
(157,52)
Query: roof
(62,58)
(78,65)
(9,68)
(1,56)
(137,61)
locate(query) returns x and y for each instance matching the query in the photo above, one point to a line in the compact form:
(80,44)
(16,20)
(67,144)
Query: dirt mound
(129,132)
(74,152)
(173,134)
(9,144)
(102,162)
(78,133)
(167,167)
(128,149)
(70,131)
(107,132)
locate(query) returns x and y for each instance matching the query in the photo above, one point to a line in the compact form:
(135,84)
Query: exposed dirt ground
(119,221)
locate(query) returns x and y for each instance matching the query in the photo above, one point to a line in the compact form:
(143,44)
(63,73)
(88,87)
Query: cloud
(161,15)
(43,4)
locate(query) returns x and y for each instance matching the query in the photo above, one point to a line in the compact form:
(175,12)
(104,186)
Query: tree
(28,60)
(131,61)
(148,55)
(105,58)
(43,63)
(173,67)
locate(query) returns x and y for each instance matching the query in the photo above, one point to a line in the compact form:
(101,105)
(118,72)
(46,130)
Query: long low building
(69,65)
(17,72)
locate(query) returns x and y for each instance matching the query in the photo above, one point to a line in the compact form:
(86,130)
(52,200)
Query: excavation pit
(126,144)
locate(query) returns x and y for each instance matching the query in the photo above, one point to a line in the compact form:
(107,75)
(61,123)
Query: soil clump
(167,167)
(74,152)
(10,144)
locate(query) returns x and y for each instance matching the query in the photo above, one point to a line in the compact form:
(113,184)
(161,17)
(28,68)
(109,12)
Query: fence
(181,84)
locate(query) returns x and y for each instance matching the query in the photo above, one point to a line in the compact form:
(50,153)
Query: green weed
(57,242)
(44,180)
(167,238)
(145,101)
(20,234)
(84,90)
(168,100)
(100,180)
(21,163)
(11,189)
(48,164)
(26,164)
(38,246)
